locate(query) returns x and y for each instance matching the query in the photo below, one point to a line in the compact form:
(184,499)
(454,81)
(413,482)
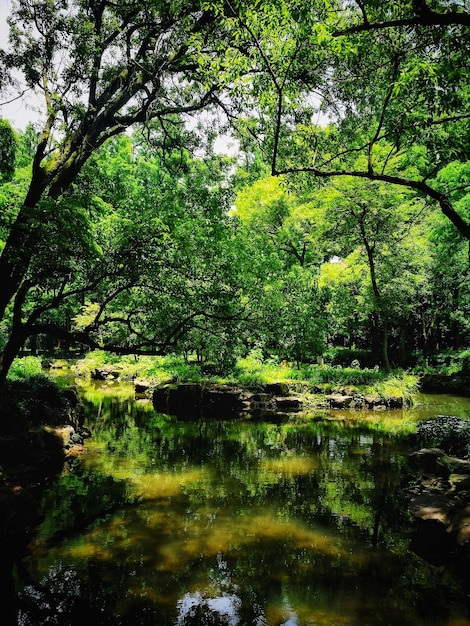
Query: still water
(235,523)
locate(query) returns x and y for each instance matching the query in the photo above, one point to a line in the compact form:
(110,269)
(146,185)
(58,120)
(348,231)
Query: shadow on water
(233,523)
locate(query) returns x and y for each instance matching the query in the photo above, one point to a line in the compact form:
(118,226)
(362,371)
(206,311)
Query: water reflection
(233,523)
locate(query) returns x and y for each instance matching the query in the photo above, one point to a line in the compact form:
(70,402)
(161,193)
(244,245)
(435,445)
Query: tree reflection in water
(167,523)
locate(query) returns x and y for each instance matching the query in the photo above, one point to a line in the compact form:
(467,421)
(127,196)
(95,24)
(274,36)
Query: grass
(254,370)
(250,371)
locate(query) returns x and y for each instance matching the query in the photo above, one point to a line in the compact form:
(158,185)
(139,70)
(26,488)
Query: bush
(341,376)
(254,370)
(159,368)
(25,367)
(31,401)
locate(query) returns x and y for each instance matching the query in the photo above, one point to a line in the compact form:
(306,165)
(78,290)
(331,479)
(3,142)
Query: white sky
(21,111)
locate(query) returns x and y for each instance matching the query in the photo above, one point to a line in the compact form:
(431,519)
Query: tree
(155,257)
(101,68)
(390,79)
(284,232)
(380,229)
(8,146)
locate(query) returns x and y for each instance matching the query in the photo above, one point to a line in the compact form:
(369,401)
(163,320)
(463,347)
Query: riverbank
(41,428)
(312,386)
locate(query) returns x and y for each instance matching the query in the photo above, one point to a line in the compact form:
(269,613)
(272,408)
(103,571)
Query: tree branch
(429,18)
(422,187)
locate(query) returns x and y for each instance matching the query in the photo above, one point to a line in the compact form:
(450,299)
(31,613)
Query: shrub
(31,401)
(339,376)
(25,367)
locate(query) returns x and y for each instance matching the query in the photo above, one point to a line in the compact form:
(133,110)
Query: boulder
(432,506)
(338,401)
(460,526)
(372,402)
(291,403)
(105,373)
(142,388)
(395,402)
(440,492)
(277,389)
(426,460)
(192,401)
(222,402)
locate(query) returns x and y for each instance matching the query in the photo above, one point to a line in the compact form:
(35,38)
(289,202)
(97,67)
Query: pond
(303,522)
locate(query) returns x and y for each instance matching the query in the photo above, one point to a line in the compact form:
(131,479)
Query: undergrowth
(249,371)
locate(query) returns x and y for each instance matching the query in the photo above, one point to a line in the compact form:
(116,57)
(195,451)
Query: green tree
(383,228)
(390,80)
(8,145)
(288,314)
(158,262)
(101,68)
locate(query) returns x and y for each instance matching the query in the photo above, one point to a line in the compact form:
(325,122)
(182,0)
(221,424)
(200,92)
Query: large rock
(440,491)
(426,461)
(339,402)
(194,400)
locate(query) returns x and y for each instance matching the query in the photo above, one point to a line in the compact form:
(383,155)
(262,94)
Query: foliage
(29,401)
(345,356)
(25,367)
(339,376)
(154,244)
(8,146)
(254,369)
(402,384)
(156,368)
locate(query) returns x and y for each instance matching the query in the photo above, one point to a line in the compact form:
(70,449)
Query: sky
(21,111)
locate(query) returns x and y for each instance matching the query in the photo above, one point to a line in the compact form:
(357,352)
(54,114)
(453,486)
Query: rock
(105,373)
(454,465)
(426,461)
(460,526)
(288,404)
(222,402)
(433,506)
(395,402)
(194,400)
(442,509)
(141,388)
(371,402)
(339,402)
(459,482)
(65,433)
(277,389)
(432,542)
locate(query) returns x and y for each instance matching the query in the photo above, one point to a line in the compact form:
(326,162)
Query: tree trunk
(378,301)
(385,346)
(16,255)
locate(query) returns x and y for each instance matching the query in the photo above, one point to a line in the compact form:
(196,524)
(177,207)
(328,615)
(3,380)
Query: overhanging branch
(422,187)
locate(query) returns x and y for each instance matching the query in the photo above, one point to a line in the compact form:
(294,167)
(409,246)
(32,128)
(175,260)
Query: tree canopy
(121,227)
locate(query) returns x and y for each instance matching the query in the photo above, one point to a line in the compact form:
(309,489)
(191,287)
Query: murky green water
(166,522)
